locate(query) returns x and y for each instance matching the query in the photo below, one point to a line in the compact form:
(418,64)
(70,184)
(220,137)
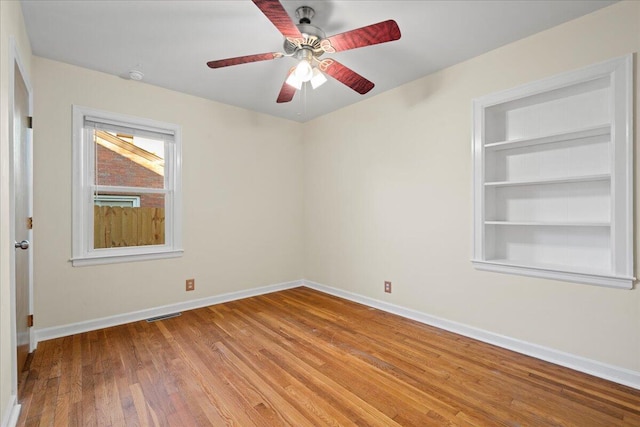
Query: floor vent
(163,317)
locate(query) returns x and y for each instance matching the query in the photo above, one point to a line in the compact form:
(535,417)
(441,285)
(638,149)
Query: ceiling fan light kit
(293,80)
(304,70)
(318,79)
(307,43)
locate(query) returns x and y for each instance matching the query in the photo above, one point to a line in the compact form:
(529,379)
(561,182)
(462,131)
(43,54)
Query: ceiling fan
(307,43)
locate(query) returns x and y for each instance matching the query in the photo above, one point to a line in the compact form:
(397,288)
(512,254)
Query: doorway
(21,199)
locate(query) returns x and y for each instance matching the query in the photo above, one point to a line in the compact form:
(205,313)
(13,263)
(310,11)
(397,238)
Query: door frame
(15,61)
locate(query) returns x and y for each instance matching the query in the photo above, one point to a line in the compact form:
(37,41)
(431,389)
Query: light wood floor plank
(303,358)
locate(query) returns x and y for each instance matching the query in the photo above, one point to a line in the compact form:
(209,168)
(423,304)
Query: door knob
(22,245)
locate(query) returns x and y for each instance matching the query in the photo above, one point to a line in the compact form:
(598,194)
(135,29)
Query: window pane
(118,222)
(128,161)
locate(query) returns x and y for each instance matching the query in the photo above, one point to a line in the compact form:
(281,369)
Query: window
(126,188)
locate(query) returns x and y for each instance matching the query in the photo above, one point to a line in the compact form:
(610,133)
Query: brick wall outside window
(114,169)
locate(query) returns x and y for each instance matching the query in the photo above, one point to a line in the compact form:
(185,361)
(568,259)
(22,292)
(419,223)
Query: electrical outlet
(387,287)
(191,284)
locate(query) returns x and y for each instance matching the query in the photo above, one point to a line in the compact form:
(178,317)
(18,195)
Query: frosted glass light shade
(294,81)
(318,79)
(314,76)
(303,71)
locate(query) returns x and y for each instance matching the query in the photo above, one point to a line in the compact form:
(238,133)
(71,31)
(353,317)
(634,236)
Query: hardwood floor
(300,357)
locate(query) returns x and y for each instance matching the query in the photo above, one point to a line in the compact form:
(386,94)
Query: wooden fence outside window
(116,226)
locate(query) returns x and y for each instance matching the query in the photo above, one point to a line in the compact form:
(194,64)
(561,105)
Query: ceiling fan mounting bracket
(304,14)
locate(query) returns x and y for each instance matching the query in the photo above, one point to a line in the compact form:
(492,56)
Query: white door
(21,170)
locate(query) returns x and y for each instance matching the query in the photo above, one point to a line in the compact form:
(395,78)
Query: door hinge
(29,122)
(30,223)
(30,320)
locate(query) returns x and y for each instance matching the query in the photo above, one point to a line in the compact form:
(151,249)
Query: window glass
(127,160)
(119,225)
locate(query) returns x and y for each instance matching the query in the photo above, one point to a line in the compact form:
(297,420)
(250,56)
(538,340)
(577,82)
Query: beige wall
(242,199)
(388,197)
(11,24)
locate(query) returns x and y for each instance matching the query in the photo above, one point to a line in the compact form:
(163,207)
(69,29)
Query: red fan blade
(244,59)
(274,11)
(345,75)
(381,32)
(287,91)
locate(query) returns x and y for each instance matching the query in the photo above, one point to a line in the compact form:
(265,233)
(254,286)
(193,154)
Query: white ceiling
(171,41)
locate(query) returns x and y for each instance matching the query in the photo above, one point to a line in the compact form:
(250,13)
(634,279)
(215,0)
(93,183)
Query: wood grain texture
(116,226)
(301,358)
(274,11)
(244,59)
(287,91)
(345,75)
(381,32)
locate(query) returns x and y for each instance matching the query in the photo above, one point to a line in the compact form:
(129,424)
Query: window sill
(114,259)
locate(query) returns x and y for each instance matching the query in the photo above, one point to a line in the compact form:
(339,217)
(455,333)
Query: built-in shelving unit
(553,177)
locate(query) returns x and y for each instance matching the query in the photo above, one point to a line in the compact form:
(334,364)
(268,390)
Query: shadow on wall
(417,92)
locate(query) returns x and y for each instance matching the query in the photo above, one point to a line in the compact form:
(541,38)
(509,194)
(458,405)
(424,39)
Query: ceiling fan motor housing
(311,34)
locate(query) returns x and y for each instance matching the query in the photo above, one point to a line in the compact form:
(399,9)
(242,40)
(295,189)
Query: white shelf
(590,276)
(541,181)
(549,224)
(553,177)
(550,267)
(586,132)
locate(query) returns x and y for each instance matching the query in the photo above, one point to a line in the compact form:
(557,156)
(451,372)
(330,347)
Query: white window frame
(83,252)
(134,200)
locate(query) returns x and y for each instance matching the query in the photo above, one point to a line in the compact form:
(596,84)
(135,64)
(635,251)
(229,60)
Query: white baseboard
(12,412)
(609,372)
(120,319)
